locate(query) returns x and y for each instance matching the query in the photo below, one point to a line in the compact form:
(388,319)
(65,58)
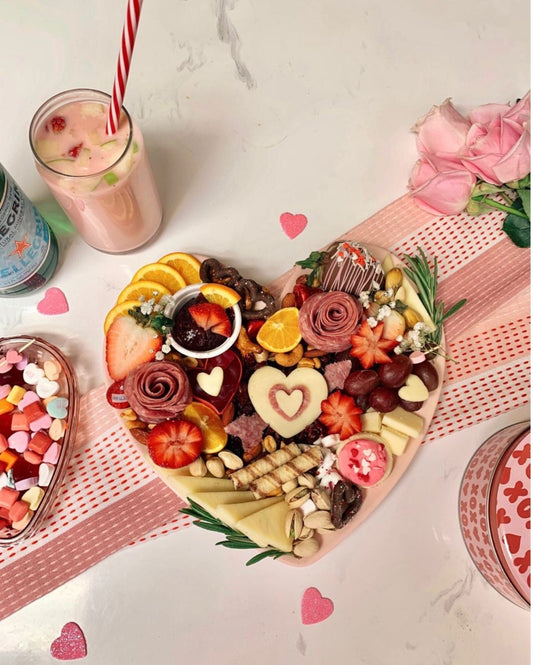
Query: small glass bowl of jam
(193,339)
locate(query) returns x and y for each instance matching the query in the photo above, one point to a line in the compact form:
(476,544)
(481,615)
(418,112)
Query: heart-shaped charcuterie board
(294,403)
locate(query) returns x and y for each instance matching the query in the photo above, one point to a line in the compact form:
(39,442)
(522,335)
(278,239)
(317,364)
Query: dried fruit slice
(187,265)
(174,443)
(280,333)
(120,309)
(341,415)
(162,274)
(369,347)
(210,424)
(143,290)
(220,294)
(211,317)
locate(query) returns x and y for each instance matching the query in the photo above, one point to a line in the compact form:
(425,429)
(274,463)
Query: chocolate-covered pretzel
(211,270)
(346,499)
(253,294)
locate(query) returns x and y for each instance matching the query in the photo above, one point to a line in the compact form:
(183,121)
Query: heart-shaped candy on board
(292,225)
(71,644)
(414,389)
(315,607)
(287,403)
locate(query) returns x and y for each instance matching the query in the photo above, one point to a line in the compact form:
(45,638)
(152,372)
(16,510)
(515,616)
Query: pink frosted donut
(328,319)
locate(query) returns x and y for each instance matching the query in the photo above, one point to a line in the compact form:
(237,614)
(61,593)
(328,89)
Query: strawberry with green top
(174,443)
(340,415)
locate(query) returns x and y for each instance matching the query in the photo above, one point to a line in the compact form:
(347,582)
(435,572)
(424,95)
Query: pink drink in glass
(103,183)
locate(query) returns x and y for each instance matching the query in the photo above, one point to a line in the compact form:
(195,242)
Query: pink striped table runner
(127,503)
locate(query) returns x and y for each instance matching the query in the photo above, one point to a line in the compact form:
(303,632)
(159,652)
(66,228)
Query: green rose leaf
(518,229)
(525,196)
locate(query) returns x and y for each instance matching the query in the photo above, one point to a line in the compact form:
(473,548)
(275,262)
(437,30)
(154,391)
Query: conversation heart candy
(52,369)
(19,441)
(57,407)
(32,373)
(4,365)
(13,356)
(43,422)
(5,389)
(57,429)
(46,388)
(29,397)
(51,456)
(46,471)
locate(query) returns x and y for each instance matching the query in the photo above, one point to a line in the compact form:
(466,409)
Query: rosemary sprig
(425,277)
(234,539)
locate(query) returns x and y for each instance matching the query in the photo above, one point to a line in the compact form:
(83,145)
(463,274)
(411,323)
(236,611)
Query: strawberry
(58,124)
(369,347)
(393,325)
(174,443)
(210,316)
(302,292)
(75,150)
(340,415)
(253,327)
(129,345)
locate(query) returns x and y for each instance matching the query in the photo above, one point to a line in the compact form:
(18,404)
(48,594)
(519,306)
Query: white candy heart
(46,471)
(414,390)
(287,403)
(46,388)
(32,373)
(211,383)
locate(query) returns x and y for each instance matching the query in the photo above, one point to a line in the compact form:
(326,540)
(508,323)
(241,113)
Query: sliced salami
(337,373)
(249,429)
(328,319)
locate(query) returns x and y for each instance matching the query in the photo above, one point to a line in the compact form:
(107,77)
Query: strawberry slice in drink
(174,443)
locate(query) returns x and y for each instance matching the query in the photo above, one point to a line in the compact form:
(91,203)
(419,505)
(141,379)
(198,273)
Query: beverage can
(28,247)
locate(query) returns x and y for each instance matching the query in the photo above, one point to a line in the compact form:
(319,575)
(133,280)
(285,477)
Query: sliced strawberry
(211,316)
(58,124)
(253,328)
(340,415)
(174,443)
(75,150)
(369,347)
(128,345)
(302,292)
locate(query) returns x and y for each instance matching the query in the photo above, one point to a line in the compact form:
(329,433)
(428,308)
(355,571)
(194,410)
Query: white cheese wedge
(267,527)
(371,421)
(187,485)
(403,421)
(231,513)
(212,501)
(396,440)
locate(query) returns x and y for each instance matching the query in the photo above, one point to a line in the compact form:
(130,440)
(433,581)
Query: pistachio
(321,498)
(319,519)
(325,531)
(230,460)
(198,467)
(307,480)
(269,444)
(216,468)
(289,485)
(293,524)
(307,547)
(411,317)
(393,279)
(306,532)
(297,497)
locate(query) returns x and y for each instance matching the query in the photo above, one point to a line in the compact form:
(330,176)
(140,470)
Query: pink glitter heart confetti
(54,302)
(71,644)
(292,225)
(315,607)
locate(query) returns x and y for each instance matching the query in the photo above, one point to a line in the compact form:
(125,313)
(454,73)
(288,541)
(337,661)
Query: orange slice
(220,294)
(187,265)
(143,289)
(162,274)
(280,333)
(213,432)
(121,309)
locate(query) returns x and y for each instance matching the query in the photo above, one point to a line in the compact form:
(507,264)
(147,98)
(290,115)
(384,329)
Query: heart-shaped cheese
(211,383)
(414,390)
(287,403)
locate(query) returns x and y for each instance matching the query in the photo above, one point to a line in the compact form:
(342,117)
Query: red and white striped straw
(123,64)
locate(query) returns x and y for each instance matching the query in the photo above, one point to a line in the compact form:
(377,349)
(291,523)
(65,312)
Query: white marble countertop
(250,109)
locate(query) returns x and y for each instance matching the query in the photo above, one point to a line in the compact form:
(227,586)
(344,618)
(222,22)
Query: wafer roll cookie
(243,477)
(267,484)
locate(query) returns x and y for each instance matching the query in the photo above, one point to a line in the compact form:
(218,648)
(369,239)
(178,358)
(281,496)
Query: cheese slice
(371,421)
(403,421)
(267,527)
(410,296)
(396,440)
(187,485)
(231,513)
(212,501)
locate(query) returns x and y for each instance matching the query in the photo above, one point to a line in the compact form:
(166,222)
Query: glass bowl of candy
(201,329)
(39,407)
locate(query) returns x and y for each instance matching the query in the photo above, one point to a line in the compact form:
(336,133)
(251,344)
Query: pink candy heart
(315,608)
(292,225)
(28,398)
(13,356)
(71,644)
(43,422)
(19,441)
(54,302)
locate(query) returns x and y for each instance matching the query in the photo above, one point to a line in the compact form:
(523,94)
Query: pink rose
(497,146)
(442,133)
(438,189)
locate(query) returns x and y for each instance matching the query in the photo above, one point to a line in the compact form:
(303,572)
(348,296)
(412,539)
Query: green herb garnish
(314,262)
(154,319)
(234,539)
(425,278)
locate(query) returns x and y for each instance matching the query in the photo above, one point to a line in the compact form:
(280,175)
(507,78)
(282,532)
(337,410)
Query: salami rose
(328,319)
(158,390)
